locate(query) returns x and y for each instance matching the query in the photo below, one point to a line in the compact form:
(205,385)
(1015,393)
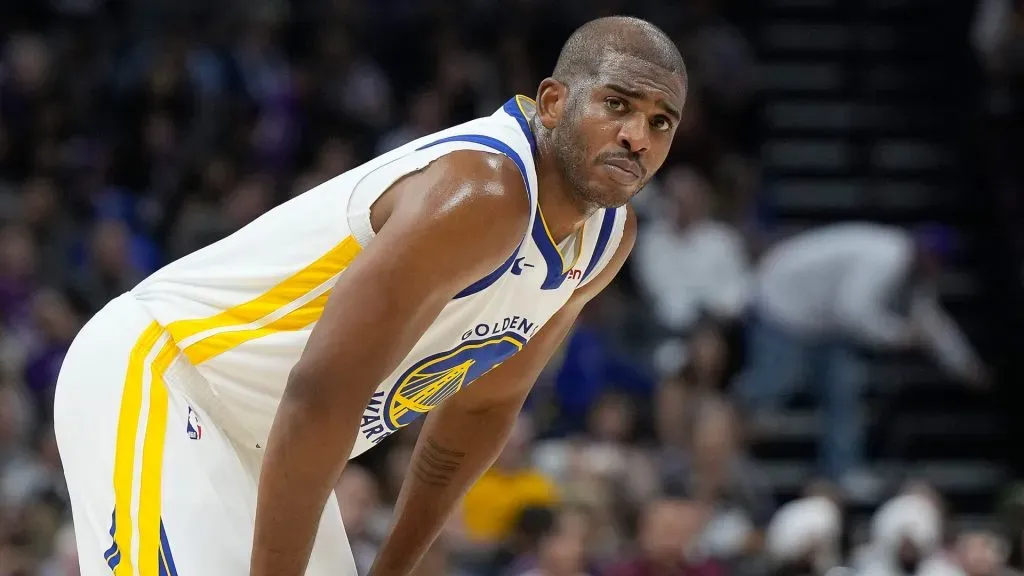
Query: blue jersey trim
(514,109)
(607,223)
(507,150)
(113,554)
(167,567)
(552,257)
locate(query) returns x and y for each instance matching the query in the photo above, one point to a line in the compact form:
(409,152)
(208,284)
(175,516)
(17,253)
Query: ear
(551,96)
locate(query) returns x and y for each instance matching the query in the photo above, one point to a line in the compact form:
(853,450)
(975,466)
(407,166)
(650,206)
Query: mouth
(624,171)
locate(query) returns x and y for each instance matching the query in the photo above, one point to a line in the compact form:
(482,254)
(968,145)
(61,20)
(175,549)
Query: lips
(626,166)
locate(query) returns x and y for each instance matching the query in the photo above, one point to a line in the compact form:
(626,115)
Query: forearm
(455,447)
(945,341)
(306,452)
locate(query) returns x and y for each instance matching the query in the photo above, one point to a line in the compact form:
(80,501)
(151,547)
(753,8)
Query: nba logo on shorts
(193,427)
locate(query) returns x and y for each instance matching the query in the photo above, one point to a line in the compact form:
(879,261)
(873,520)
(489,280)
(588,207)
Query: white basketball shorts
(157,488)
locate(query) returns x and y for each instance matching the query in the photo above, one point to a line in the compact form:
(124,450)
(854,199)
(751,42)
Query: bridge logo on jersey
(436,378)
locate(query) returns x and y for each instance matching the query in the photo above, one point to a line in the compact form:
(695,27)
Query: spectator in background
(592,367)
(823,295)
(690,265)
(50,226)
(109,269)
(199,221)
(906,533)
(974,554)
(706,363)
(18,265)
(666,537)
(17,462)
(64,561)
(605,453)
(425,116)
(358,498)
(533,524)
(720,476)
(804,536)
(56,325)
(562,550)
(600,471)
(492,505)
(25,89)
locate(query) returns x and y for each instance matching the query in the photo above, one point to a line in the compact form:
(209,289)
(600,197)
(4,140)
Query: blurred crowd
(136,131)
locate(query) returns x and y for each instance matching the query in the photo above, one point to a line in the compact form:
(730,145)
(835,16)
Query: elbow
(311,412)
(304,389)
(316,394)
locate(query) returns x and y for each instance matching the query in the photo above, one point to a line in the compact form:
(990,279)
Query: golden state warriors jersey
(242,309)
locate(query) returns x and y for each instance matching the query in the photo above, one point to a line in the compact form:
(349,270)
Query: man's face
(617,127)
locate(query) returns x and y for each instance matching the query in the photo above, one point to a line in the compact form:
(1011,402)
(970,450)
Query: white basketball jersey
(242,309)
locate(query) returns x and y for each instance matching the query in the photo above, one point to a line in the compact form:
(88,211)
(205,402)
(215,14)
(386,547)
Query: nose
(635,134)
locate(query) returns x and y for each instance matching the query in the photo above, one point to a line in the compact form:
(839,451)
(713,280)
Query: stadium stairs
(859,122)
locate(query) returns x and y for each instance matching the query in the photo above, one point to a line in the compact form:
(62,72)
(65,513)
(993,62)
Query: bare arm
(944,341)
(462,437)
(379,308)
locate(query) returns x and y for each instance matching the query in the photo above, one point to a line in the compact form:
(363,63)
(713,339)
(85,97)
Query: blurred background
(760,393)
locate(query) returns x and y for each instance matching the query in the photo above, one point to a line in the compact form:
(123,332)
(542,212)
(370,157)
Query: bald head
(585,50)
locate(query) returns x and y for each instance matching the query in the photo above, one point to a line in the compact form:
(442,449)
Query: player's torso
(475,333)
(242,309)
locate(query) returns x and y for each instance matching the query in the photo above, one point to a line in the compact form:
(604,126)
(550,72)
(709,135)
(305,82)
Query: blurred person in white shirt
(804,536)
(906,535)
(689,265)
(823,296)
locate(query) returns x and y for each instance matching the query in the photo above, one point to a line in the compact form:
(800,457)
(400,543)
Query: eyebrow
(638,95)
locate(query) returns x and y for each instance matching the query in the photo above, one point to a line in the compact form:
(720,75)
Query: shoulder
(465,194)
(475,177)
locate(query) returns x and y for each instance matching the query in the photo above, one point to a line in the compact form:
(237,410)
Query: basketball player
(204,417)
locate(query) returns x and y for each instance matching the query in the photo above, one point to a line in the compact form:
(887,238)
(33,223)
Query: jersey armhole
(371,186)
(612,226)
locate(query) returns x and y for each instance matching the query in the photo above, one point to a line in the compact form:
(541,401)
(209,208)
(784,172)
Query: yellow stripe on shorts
(124,456)
(151,547)
(286,292)
(152,464)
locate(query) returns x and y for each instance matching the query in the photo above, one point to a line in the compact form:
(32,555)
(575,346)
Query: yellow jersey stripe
(152,464)
(219,343)
(124,455)
(287,291)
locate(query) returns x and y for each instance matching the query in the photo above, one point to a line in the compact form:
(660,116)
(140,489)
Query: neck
(564,212)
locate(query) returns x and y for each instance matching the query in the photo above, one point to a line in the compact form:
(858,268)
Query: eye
(615,104)
(661,124)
